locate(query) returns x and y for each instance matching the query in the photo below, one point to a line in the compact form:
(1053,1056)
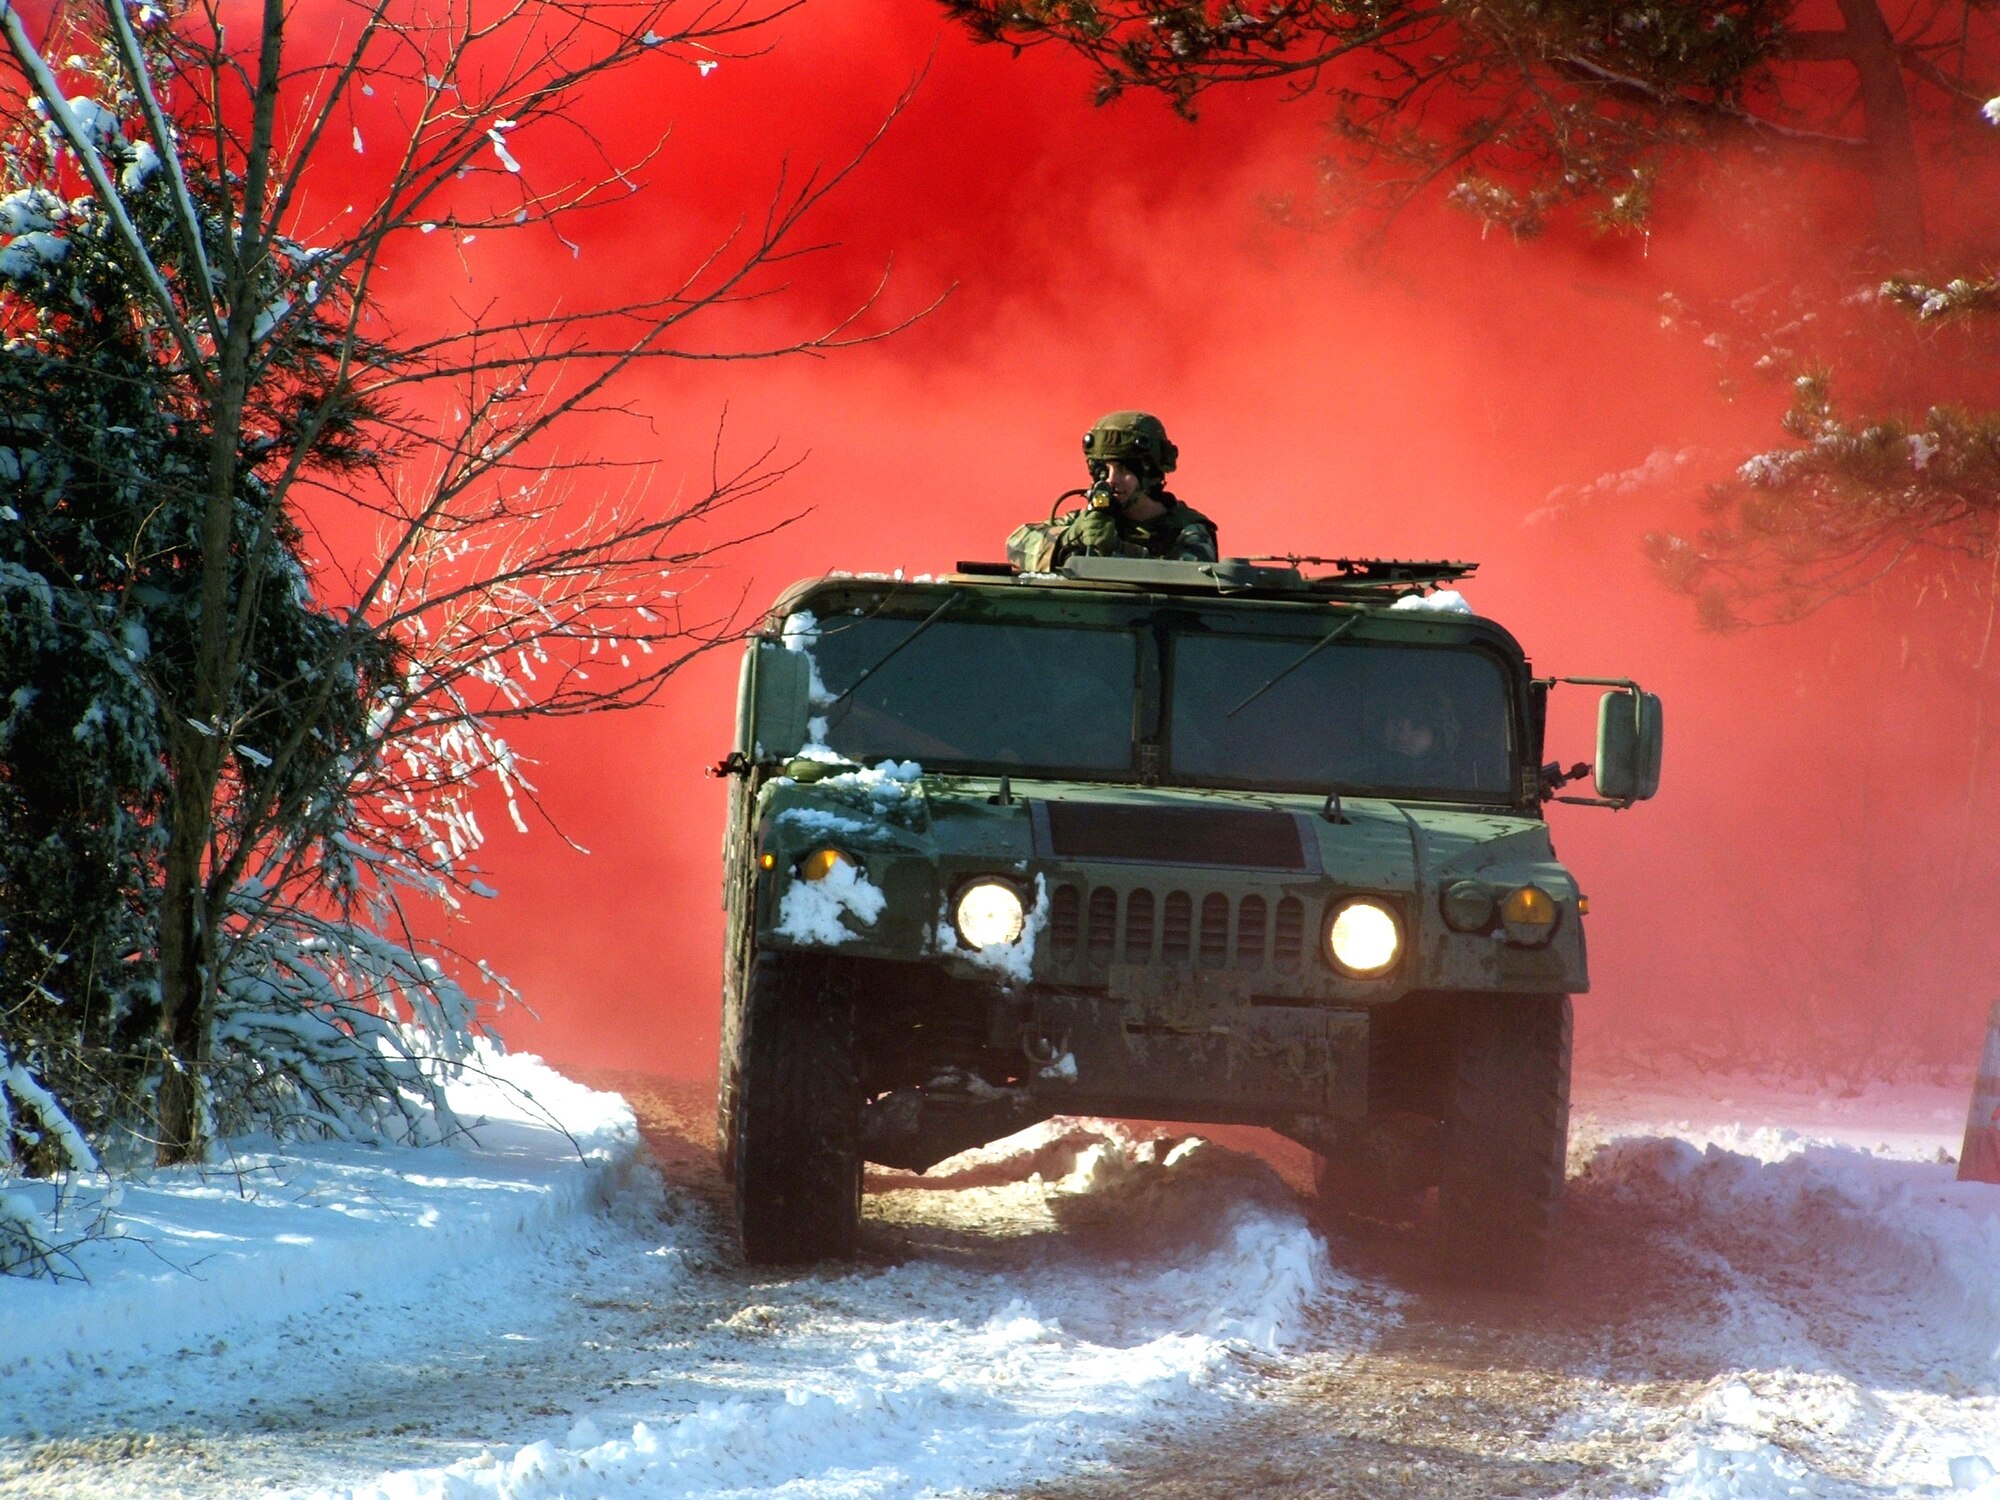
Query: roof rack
(1361,576)
(1359,579)
(1362,579)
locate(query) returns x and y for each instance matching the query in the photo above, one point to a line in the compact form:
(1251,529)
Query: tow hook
(1041,1049)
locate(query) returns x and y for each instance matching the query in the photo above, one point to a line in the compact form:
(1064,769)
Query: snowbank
(1911,1221)
(289,1317)
(1789,1224)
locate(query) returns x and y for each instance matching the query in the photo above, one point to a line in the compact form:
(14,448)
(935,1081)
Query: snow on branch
(1851,503)
(36,1237)
(84,125)
(329,1029)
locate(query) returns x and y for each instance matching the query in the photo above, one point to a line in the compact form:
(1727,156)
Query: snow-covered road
(1734,1313)
(1768,1295)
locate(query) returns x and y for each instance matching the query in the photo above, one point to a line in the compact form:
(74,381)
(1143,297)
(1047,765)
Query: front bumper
(1099,1055)
(1275,1066)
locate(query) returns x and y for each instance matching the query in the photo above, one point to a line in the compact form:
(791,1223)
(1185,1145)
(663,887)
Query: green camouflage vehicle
(1215,842)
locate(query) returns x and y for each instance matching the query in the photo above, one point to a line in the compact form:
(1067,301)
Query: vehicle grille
(1138,927)
(1243,837)
(1091,929)
(1176,929)
(1103,923)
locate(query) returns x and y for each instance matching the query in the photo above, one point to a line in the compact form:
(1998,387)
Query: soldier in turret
(1127,510)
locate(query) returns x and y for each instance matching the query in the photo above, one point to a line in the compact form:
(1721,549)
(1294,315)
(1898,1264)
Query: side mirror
(1630,734)
(778,694)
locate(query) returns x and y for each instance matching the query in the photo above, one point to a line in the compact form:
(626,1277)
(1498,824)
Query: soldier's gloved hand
(1094,531)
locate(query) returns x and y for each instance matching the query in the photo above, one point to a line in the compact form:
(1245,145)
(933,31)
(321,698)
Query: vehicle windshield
(1398,720)
(1049,697)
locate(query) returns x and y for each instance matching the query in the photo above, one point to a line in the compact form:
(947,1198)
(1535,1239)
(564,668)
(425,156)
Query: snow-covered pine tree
(106,478)
(82,413)
(236,762)
(1860,501)
(1897,487)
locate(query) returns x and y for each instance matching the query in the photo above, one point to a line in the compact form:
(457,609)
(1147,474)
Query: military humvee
(1208,842)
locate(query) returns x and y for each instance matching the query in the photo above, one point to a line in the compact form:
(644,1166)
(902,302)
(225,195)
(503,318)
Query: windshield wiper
(1311,651)
(883,660)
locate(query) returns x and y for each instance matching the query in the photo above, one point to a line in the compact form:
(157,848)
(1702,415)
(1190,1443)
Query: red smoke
(1423,397)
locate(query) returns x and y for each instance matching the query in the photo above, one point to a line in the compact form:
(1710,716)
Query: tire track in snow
(1716,1325)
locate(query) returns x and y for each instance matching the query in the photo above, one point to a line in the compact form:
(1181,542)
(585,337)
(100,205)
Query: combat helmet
(1136,439)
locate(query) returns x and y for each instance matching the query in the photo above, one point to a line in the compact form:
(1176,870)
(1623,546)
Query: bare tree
(323,725)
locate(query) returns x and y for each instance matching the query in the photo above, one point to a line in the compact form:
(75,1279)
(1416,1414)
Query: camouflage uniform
(1181,534)
(1139,441)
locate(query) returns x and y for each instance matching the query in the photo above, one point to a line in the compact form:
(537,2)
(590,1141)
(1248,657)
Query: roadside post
(1980,1160)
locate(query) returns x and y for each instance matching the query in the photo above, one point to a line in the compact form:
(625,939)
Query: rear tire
(797,1113)
(1506,1139)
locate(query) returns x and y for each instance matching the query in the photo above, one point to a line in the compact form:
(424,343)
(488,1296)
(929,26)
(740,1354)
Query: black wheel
(725,1120)
(727,1084)
(1506,1139)
(797,1113)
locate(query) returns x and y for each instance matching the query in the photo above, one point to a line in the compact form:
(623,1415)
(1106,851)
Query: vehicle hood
(1368,844)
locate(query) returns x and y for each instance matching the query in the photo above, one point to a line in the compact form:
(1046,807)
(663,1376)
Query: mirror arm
(1625,684)
(736,763)
(1554,776)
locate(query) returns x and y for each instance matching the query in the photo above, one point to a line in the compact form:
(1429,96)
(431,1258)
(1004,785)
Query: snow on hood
(1439,601)
(817,822)
(812,911)
(886,783)
(889,792)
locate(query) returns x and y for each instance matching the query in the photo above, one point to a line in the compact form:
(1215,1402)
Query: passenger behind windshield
(976,693)
(1417,742)
(1394,719)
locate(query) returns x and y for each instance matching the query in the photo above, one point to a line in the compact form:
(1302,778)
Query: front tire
(796,1113)
(1506,1139)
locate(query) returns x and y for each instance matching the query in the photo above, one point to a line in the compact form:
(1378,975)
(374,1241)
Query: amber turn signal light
(1529,915)
(821,863)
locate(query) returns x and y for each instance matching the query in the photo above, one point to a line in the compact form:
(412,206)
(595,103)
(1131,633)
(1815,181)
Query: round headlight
(823,862)
(989,914)
(1529,915)
(1467,906)
(1364,939)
